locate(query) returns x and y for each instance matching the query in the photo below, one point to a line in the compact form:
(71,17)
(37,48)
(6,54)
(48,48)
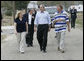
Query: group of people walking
(27,24)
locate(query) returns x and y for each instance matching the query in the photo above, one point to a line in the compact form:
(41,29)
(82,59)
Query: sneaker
(58,49)
(56,36)
(31,45)
(28,45)
(62,51)
(22,52)
(41,48)
(44,51)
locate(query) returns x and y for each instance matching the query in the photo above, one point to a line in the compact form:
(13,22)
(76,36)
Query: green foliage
(8,5)
(8,13)
(18,4)
(21,4)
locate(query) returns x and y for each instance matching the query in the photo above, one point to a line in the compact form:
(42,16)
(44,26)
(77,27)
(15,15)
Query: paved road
(73,46)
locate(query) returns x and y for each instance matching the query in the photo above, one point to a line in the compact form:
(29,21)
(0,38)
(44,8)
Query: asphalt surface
(73,47)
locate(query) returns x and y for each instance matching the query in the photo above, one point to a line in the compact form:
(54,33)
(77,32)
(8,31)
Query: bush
(8,13)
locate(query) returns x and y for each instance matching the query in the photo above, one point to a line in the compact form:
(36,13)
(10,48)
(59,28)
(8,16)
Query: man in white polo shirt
(42,23)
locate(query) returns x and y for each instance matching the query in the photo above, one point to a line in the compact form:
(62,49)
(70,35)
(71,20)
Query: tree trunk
(13,10)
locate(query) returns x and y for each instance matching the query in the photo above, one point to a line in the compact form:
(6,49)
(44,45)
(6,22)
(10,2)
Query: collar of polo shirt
(61,11)
(42,11)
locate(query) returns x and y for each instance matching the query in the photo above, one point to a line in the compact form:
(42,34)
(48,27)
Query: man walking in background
(73,13)
(42,23)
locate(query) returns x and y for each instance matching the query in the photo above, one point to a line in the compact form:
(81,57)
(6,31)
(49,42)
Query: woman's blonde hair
(17,14)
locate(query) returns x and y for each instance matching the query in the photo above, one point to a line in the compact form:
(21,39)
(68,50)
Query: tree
(7,4)
(21,4)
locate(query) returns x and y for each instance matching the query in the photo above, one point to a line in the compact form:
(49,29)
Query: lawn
(3,37)
(79,20)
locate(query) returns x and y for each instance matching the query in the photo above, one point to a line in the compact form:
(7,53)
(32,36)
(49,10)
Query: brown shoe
(62,51)
(58,49)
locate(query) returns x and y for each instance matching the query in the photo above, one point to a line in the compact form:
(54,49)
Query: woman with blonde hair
(20,30)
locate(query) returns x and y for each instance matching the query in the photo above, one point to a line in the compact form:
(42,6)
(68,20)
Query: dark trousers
(42,34)
(73,20)
(30,35)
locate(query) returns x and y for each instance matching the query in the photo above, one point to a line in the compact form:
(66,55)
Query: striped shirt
(61,26)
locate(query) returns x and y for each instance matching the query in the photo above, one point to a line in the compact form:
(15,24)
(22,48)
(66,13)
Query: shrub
(8,13)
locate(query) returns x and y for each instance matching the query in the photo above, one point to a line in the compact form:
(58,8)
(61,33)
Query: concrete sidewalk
(73,46)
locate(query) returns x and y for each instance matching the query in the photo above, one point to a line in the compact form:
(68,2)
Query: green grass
(79,22)
(79,19)
(3,37)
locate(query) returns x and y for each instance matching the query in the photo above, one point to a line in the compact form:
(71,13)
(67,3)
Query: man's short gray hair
(42,5)
(30,9)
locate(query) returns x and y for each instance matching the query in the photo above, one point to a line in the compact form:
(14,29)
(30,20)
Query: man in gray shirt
(42,24)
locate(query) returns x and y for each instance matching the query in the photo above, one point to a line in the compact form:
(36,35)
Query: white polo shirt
(30,18)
